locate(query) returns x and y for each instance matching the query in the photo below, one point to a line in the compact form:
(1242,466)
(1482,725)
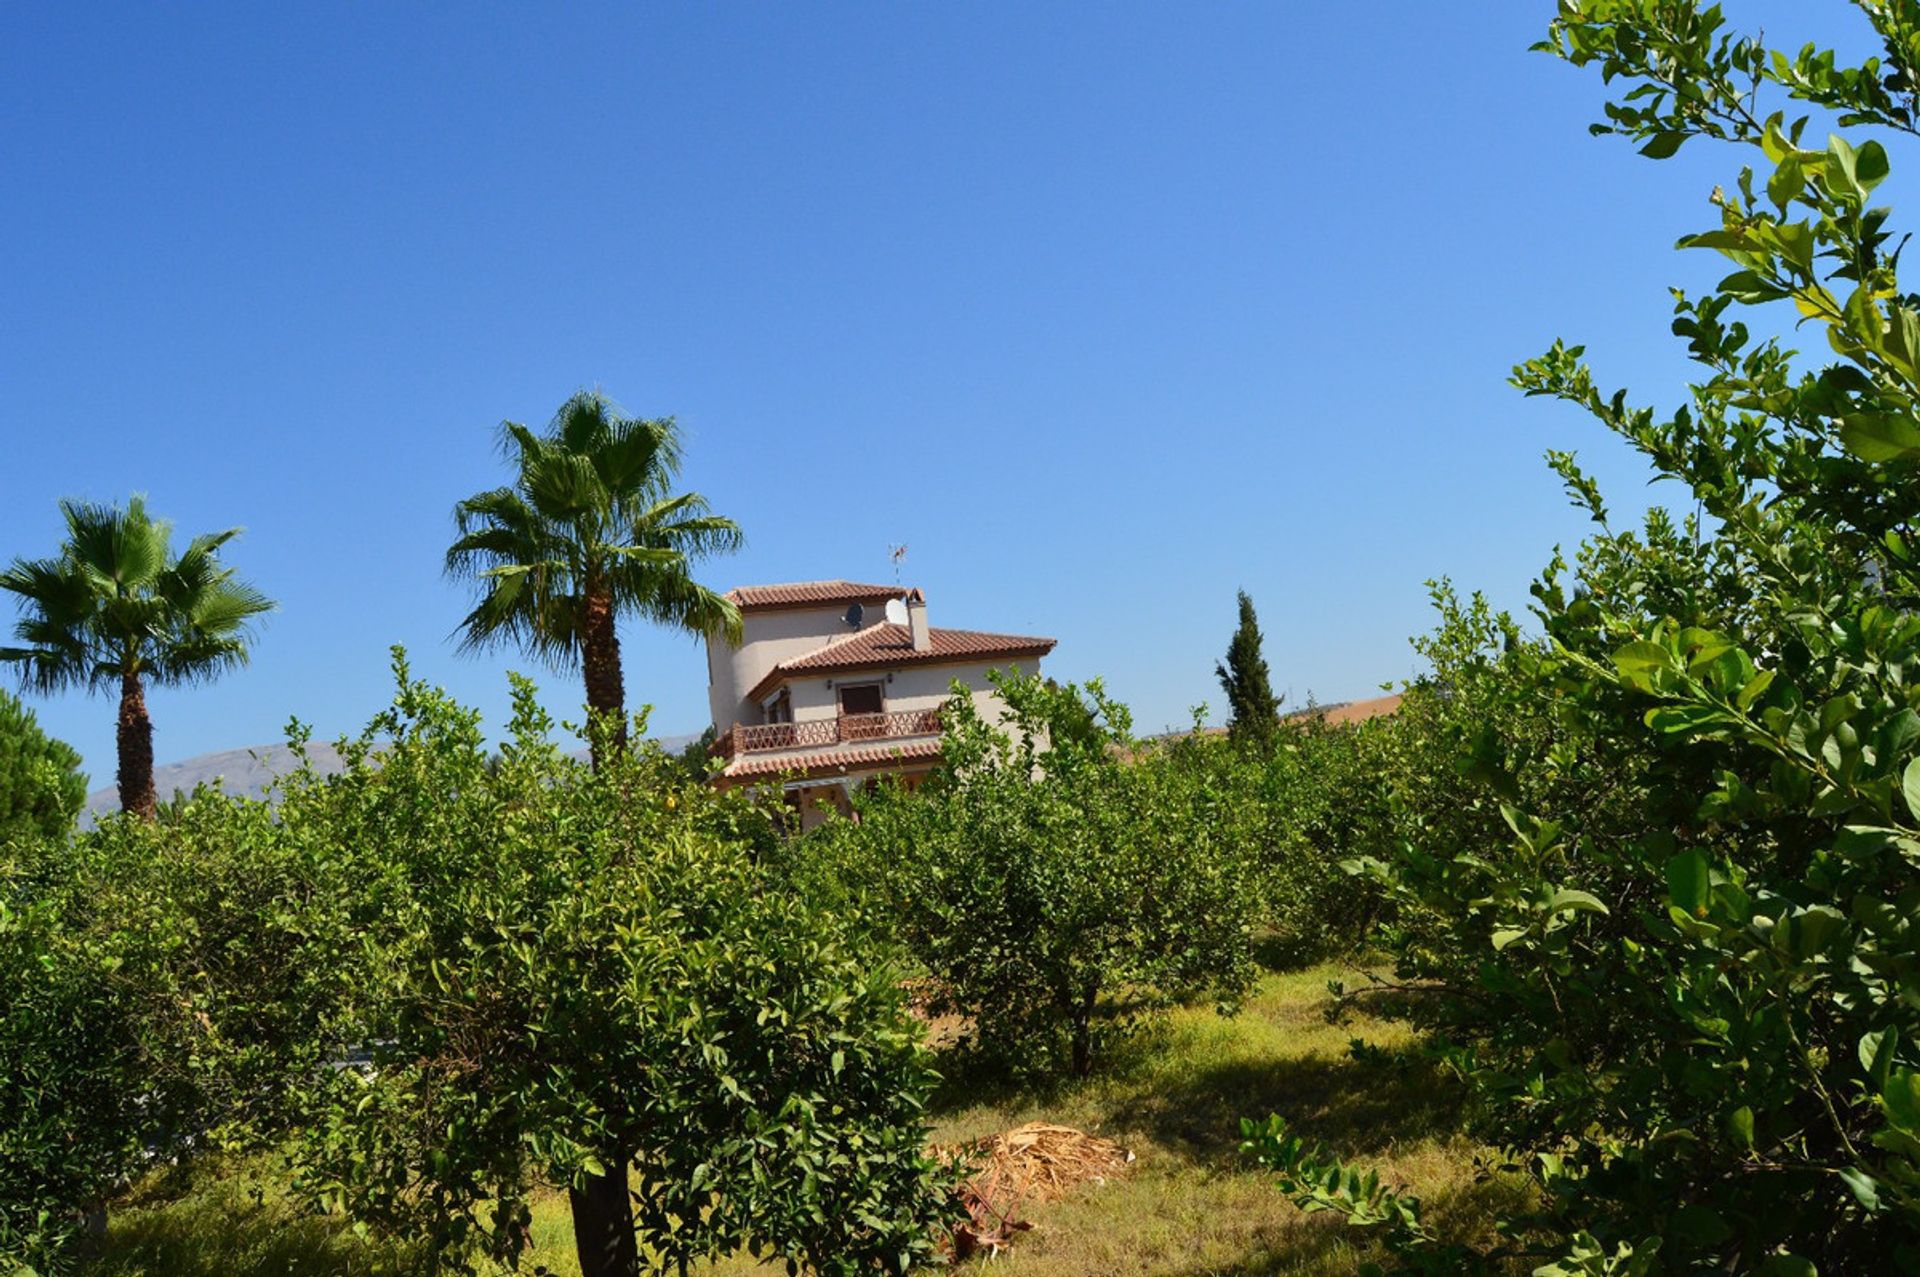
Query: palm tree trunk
(603,1225)
(135,733)
(600,657)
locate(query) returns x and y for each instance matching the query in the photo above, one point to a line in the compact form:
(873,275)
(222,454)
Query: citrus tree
(1691,1017)
(578,978)
(1053,891)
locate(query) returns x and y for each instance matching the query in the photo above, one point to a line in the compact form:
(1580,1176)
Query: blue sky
(1104,312)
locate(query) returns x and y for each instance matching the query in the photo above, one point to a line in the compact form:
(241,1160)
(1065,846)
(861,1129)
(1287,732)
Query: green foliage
(116,602)
(116,608)
(158,986)
(41,785)
(1052,895)
(445,978)
(570,977)
(1253,708)
(1679,976)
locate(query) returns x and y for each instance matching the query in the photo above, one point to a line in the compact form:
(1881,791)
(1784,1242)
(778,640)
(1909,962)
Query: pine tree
(1250,698)
(41,785)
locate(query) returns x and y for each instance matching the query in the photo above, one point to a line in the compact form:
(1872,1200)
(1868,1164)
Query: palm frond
(116,602)
(700,536)
(124,547)
(590,501)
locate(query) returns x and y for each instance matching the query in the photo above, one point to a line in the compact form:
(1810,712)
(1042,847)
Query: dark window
(860,698)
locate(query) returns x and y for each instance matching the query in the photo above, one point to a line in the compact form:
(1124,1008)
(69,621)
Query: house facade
(835,683)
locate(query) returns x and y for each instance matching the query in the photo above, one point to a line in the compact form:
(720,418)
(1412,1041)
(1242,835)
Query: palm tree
(589,531)
(115,607)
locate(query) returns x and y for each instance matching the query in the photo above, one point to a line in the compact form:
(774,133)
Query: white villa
(835,683)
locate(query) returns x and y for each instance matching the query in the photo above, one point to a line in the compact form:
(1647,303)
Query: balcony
(822,733)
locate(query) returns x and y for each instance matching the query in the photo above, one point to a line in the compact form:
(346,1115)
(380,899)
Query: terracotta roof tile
(808,594)
(888,646)
(830,761)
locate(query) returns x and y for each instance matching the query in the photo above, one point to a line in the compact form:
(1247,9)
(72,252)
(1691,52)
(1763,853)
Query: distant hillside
(251,771)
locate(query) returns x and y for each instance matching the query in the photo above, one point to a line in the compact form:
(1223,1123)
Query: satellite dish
(896,612)
(855,614)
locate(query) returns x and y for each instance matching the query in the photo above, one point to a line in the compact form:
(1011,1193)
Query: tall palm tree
(116,607)
(589,531)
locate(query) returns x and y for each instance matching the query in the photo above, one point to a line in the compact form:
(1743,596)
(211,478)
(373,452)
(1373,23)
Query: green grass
(1185,1207)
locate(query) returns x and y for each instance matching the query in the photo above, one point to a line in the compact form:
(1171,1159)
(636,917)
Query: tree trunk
(603,1224)
(1083,1031)
(600,657)
(135,732)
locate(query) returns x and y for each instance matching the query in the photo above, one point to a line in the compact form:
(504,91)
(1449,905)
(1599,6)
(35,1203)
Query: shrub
(1052,895)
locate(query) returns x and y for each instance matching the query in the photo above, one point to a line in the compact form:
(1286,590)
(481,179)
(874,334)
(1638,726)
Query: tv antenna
(895,553)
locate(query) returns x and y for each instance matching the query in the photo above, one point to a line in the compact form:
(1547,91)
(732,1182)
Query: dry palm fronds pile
(1035,1162)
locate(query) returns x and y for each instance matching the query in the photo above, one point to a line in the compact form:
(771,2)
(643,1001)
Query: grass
(1186,1207)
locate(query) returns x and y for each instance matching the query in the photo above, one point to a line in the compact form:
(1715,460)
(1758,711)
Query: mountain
(250,771)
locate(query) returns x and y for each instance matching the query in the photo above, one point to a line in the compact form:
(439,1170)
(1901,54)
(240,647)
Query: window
(780,708)
(860,698)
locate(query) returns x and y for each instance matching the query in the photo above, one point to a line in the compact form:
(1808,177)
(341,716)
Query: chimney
(917,621)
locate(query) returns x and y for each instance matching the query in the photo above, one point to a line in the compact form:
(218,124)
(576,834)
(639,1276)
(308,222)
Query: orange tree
(1054,888)
(576,977)
(447,978)
(1693,1017)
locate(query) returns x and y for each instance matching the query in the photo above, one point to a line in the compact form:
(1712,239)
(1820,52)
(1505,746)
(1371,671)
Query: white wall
(915,687)
(768,638)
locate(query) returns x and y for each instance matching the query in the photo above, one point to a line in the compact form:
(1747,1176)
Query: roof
(889,646)
(830,761)
(807,594)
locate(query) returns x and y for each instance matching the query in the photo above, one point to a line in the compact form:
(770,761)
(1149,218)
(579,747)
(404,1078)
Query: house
(834,683)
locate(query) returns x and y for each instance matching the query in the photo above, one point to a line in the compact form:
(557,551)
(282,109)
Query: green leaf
(1808,932)
(1910,787)
(1879,437)
(1643,657)
(1755,689)
(1870,165)
(1662,145)
(1687,882)
(1740,1126)
(1568,898)
(1672,720)
(1787,182)
(1900,1097)
(1876,1054)
(1865,1189)
(1506,936)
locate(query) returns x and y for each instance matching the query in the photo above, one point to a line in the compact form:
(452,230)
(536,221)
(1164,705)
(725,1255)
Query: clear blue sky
(1103,311)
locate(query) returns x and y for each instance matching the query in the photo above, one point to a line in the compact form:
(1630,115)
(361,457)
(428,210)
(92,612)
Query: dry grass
(1186,1207)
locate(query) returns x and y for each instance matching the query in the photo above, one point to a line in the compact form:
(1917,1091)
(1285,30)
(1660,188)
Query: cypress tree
(1250,698)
